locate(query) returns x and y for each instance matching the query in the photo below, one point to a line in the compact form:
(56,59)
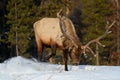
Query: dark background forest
(89,17)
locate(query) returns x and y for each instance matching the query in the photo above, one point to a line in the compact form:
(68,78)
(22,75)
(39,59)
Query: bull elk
(58,33)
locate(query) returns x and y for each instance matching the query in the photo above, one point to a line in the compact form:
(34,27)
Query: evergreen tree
(21,16)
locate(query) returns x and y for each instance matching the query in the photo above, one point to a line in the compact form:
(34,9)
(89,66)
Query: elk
(60,33)
(57,33)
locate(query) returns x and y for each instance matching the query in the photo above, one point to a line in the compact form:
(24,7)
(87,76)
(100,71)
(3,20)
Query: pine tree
(21,16)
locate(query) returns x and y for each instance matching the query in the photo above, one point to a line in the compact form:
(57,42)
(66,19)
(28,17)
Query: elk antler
(62,26)
(97,40)
(63,30)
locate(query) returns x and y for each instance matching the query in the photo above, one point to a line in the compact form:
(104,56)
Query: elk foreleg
(65,58)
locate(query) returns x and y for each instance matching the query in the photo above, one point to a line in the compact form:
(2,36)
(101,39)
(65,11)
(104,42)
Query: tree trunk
(17,53)
(97,54)
(118,26)
(118,30)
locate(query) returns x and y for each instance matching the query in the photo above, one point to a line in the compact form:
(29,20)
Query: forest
(90,18)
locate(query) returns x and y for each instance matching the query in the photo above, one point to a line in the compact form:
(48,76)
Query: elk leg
(65,58)
(51,55)
(40,53)
(53,46)
(39,48)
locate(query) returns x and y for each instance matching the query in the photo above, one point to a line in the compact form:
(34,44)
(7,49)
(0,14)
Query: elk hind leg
(39,48)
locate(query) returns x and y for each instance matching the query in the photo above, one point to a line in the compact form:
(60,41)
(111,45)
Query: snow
(19,68)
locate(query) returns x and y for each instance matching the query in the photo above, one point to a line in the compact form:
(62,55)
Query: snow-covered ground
(19,68)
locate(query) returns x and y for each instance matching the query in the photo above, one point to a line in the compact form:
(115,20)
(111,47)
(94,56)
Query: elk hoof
(66,69)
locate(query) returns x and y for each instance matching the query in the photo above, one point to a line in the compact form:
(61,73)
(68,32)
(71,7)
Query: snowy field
(19,68)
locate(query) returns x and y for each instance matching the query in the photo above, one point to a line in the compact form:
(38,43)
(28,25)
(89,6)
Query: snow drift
(19,68)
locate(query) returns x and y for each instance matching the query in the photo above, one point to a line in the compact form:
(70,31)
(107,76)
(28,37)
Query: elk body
(57,33)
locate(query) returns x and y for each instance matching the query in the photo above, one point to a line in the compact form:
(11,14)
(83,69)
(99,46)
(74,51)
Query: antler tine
(58,13)
(100,44)
(111,25)
(91,51)
(87,47)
